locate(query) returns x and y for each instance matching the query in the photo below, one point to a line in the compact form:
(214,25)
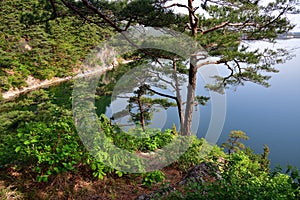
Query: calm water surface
(268,115)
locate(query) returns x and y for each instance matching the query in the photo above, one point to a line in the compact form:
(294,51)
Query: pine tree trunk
(193,18)
(190,97)
(142,117)
(192,75)
(179,101)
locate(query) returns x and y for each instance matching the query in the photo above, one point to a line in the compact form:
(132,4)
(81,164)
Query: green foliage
(292,172)
(39,135)
(201,100)
(42,50)
(55,148)
(233,144)
(43,138)
(245,175)
(193,154)
(199,151)
(242,178)
(261,158)
(145,106)
(46,143)
(99,170)
(153,177)
(137,139)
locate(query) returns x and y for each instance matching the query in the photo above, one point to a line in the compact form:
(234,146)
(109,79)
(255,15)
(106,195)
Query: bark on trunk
(142,118)
(179,101)
(190,97)
(192,74)
(193,19)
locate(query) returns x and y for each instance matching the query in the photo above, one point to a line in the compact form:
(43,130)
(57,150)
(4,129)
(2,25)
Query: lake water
(268,115)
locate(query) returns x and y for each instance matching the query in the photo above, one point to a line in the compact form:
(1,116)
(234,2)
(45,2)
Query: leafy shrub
(153,177)
(242,178)
(55,148)
(261,158)
(136,139)
(39,135)
(292,172)
(99,169)
(199,151)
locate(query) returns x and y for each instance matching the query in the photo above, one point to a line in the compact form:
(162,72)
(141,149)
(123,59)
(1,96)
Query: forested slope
(54,48)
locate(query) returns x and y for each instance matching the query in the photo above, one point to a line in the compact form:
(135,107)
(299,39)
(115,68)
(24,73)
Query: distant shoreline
(36,84)
(290,35)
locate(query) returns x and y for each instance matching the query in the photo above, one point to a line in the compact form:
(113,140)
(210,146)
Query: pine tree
(233,144)
(220,27)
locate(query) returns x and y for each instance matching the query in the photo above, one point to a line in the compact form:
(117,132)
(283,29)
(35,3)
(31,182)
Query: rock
(201,173)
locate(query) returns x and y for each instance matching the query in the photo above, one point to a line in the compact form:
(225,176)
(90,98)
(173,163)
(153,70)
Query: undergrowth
(38,138)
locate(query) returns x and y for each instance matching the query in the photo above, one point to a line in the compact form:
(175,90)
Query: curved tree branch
(161,94)
(101,15)
(179,5)
(224,24)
